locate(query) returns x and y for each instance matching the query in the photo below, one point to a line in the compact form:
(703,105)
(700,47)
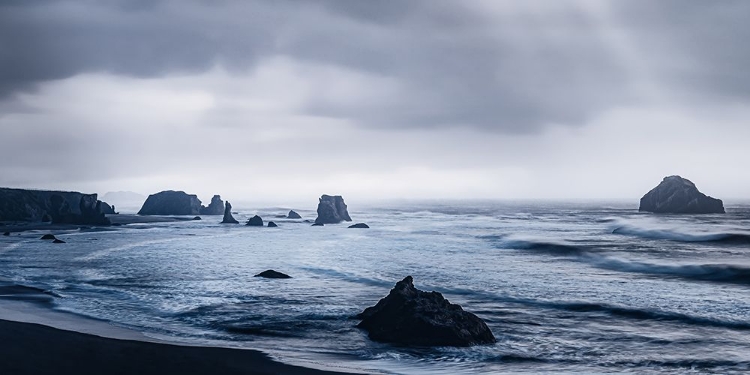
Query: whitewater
(565,287)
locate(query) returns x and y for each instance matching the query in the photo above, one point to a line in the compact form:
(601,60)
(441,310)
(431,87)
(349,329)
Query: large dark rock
(293,215)
(676,195)
(61,207)
(332,210)
(171,203)
(228,218)
(216,207)
(414,317)
(255,221)
(271,274)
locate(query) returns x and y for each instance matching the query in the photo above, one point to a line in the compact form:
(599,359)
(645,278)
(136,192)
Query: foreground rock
(216,207)
(228,218)
(271,274)
(255,221)
(359,225)
(332,210)
(676,195)
(293,215)
(171,203)
(413,317)
(60,207)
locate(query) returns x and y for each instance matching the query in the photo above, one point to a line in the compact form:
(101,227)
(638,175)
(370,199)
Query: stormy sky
(281,101)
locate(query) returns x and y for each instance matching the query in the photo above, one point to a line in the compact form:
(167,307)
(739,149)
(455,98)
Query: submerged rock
(676,195)
(271,274)
(317,225)
(271,224)
(48,237)
(359,225)
(197,218)
(58,241)
(255,221)
(171,203)
(228,218)
(332,210)
(216,207)
(293,215)
(414,317)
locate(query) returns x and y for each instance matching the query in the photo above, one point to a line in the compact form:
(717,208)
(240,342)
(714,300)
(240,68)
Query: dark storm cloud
(511,69)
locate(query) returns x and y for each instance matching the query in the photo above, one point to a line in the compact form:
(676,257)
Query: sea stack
(228,218)
(255,221)
(332,210)
(677,195)
(171,203)
(413,317)
(216,207)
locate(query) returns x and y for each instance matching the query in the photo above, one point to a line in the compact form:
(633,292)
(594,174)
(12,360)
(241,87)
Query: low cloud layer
(97,94)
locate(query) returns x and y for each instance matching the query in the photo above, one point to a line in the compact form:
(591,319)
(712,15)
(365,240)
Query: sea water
(564,287)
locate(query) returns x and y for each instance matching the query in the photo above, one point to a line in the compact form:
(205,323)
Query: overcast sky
(281,101)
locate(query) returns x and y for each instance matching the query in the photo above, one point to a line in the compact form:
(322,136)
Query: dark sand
(29,348)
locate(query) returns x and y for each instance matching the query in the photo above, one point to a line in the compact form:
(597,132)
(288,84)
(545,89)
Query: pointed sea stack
(413,317)
(228,218)
(332,210)
(677,195)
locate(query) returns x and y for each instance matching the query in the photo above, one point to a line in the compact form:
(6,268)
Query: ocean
(564,287)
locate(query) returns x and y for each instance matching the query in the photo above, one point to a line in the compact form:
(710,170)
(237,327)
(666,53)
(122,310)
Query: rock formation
(359,225)
(413,317)
(48,237)
(255,221)
(171,203)
(107,209)
(271,274)
(216,207)
(332,210)
(228,218)
(197,218)
(676,195)
(293,215)
(271,224)
(61,207)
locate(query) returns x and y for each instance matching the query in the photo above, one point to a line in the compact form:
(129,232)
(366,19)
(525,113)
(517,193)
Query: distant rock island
(59,207)
(332,210)
(172,202)
(677,195)
(216,207)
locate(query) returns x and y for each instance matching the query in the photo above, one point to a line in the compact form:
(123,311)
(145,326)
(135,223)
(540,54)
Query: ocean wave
(680,235)
(559,247)
(702,272)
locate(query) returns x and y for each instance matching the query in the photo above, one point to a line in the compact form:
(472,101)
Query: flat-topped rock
(332,210)
(413,317)
(271,274)
(228,218)
(171,202)
(677,195)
